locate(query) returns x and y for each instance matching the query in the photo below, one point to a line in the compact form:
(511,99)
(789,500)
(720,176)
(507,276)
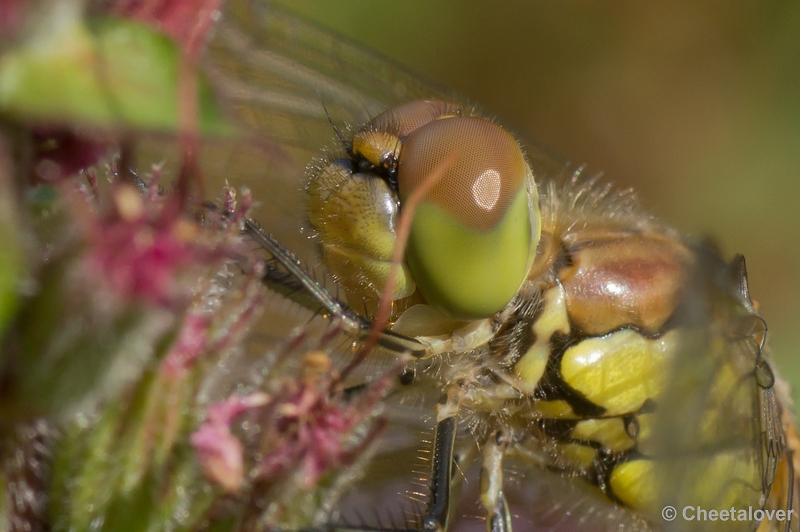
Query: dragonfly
(560,404)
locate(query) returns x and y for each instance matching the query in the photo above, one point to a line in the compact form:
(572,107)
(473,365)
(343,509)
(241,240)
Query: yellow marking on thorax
(531,366)
(619,372)
(558,409)
(579,457)
(610,433)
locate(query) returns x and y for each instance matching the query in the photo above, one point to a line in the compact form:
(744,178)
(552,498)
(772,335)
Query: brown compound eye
(380,141)
(404,119)
(475,233)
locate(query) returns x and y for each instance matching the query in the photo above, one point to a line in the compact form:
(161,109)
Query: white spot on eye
(486,189)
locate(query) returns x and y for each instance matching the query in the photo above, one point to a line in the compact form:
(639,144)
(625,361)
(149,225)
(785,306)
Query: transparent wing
(718,438)
(288,83)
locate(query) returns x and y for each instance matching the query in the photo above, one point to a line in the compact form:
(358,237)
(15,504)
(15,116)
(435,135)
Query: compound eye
(408,117)
(474,235)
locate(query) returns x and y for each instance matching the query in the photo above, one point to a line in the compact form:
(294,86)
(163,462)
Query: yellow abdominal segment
(633,483)
(622,377)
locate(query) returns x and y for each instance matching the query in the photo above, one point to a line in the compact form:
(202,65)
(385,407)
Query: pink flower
(305,427)
(311,428)
(192,342)
(139,251)
(219,451)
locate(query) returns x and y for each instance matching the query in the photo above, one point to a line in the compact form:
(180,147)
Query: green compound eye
(475,234)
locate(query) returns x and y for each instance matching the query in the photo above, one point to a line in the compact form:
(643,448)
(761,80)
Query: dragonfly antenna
(330,121)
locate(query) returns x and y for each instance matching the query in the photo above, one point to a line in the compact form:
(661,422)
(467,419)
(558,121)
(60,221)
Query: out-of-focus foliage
(122,297)
(103,72)
(12,259)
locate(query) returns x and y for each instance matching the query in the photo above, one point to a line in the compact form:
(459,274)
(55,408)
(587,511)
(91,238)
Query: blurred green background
(696,105)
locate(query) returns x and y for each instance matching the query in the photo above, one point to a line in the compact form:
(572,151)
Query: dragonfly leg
(440,503)
(294,282)
(498,517)
(439,506)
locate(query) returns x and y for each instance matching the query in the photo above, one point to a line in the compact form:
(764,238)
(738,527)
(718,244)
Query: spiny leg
(498,517)
(440,503)
(299,285)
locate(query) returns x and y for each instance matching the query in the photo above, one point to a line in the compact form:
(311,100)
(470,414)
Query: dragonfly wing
(718,438)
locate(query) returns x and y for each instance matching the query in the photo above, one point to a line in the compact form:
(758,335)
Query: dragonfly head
(473,235)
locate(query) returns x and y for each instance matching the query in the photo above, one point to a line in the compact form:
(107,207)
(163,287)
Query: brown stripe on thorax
(615,280)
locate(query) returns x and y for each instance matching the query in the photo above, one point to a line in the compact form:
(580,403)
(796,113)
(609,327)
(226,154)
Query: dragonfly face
(477,227)
(613,369)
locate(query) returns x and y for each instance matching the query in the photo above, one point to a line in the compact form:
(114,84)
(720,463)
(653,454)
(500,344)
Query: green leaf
(12,257)
(108,72)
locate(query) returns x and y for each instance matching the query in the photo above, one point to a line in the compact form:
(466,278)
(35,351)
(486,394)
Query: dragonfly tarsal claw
(500,519)
(498,516)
